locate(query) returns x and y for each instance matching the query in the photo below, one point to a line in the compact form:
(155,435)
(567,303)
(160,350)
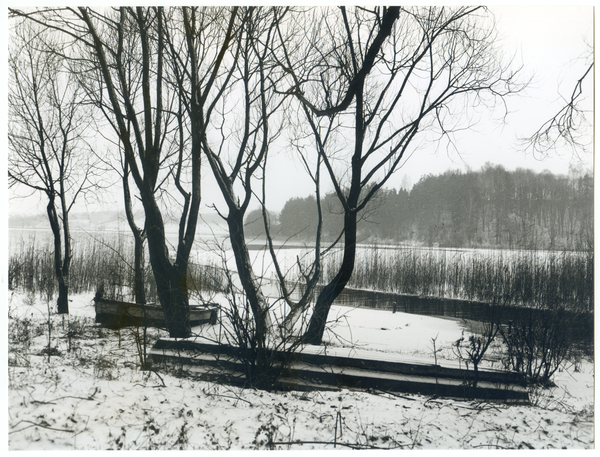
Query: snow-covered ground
(92,395)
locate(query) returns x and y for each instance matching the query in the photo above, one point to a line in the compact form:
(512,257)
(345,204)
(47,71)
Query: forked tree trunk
(316,328)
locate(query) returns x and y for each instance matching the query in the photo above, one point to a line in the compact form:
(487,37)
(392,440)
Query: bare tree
(252,146)
(369,81)
(141,123)
(129,54)
(239,128)
(48,151)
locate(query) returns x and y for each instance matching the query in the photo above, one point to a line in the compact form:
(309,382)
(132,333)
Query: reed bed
(517,278)
(95,262)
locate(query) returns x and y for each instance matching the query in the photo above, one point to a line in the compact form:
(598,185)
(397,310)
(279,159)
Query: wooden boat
(320,368)
(116,314)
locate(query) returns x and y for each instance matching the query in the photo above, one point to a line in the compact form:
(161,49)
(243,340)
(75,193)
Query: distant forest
(493,208)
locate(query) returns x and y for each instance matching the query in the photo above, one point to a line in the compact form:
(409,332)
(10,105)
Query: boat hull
(117,314)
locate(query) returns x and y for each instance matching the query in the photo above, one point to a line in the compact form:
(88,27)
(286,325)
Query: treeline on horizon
(489,208)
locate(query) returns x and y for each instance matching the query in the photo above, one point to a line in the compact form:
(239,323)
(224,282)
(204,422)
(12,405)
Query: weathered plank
(312,367)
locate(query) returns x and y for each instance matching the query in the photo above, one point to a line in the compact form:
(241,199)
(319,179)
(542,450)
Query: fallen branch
(51,402)
(495,446)
(230,396)
(350,445)
(394,395)
(34,424)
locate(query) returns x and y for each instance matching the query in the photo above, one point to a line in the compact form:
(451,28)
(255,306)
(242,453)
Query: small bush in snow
(105,368)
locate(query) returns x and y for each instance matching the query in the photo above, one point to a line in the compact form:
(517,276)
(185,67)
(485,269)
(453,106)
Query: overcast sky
(549,40)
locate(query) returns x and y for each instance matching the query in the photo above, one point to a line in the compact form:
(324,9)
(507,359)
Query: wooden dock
(327,368)
(118,314)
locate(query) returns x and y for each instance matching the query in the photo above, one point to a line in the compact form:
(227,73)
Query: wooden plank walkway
(318,367)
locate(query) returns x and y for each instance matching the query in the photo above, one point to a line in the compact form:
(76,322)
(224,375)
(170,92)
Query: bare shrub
(538,343)
(21,332)
(263,364)
(472,350)
(77,328)
(105,368)
(264,358)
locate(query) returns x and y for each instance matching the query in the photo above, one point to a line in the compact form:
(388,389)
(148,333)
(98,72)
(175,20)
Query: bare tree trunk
(63,295)
(62,302)
(139,237)
(254,295)
(63,277)
(139,261)
(171,279)
(316,328)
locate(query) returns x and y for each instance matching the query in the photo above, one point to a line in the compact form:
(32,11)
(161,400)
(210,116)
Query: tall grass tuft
(519,278)
(95,263)
(31,267)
